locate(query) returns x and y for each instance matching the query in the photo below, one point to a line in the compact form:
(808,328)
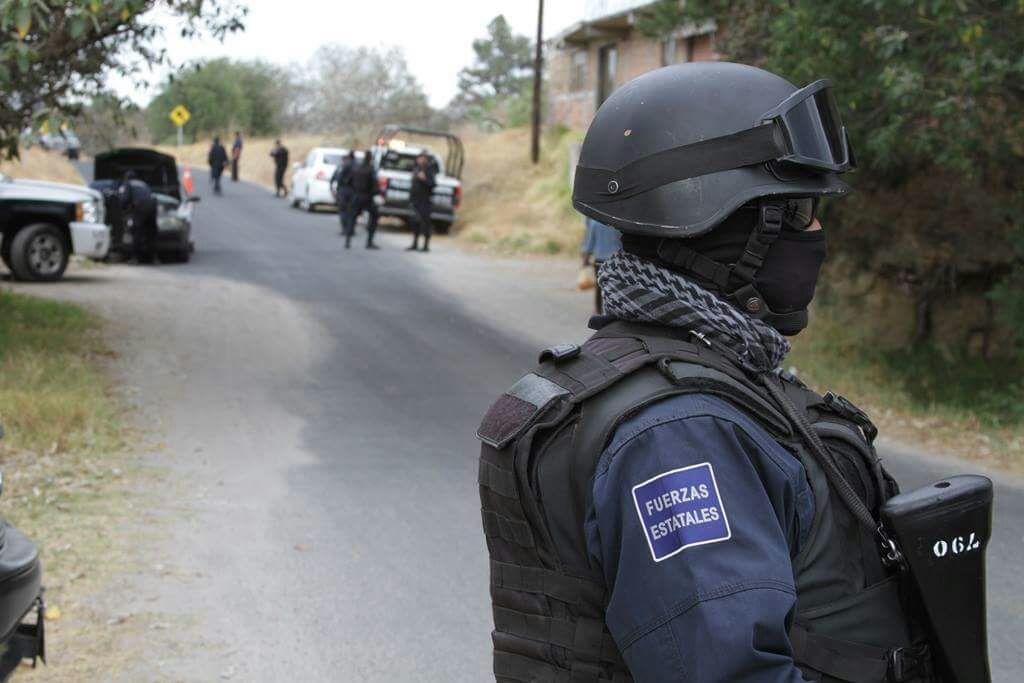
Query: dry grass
(69,483)
(256,165)
(39,164)
(513,206)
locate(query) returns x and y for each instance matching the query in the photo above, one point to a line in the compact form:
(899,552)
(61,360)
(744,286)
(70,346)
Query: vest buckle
(560,353)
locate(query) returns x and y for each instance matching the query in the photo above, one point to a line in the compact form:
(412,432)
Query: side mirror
(296,166)
(193,199)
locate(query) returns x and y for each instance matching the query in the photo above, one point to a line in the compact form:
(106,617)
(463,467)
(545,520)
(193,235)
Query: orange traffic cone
(186,180)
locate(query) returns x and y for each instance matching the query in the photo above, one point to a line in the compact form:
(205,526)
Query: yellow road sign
(180,115)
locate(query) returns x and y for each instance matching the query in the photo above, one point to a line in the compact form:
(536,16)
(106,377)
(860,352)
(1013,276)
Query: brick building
(589,59)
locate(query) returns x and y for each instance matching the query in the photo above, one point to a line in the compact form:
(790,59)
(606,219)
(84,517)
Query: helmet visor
(814,132)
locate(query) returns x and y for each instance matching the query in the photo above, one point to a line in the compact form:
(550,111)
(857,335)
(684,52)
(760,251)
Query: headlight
(90,211)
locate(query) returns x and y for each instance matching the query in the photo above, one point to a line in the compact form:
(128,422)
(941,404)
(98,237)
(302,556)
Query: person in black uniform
(341,188)
(662,502)
(217,159)
(364,192)
(280,156)
(236,155)
(421,197)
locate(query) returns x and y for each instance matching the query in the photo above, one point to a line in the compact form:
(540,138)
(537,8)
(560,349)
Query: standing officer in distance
(341,188)
(236,155)
(280,156)
(421,197)
(364,190)
(217,158)
(663,504)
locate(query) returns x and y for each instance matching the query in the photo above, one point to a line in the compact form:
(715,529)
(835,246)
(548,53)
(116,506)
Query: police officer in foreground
(364,191)
(341,188)
(662,503)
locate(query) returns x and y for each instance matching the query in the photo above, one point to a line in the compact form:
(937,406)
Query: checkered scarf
(638,290)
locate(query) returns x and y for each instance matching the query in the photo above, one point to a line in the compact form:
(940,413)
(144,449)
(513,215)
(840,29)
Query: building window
(668,51)
(607,66)
(578,75)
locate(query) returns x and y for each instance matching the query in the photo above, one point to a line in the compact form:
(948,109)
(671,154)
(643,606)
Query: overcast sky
(436,35)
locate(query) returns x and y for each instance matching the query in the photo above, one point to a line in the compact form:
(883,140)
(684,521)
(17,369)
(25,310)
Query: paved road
(318,408)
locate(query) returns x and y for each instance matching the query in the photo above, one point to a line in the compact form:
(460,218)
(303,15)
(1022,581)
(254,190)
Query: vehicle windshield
(395,161)
(332,159)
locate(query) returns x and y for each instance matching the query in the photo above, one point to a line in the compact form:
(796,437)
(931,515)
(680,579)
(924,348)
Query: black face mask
(788,277)
(790,272)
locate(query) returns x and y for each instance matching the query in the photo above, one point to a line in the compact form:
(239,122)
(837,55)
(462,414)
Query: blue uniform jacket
(696,515)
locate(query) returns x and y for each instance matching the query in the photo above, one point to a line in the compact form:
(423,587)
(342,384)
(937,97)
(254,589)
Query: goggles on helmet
(804,130)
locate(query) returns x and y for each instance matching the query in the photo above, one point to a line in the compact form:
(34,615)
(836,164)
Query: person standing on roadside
(341,188)
(423,182)
(280,156)
(599,244)
(217,159)
(364,193)
(236,155)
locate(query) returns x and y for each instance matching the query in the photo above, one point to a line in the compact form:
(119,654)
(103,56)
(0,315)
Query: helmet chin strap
(737,283)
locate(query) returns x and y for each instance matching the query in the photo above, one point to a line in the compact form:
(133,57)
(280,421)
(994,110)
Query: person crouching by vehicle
(280,156)
(599,244)
(423,182)
(364,190)
(217,159)
(341,188)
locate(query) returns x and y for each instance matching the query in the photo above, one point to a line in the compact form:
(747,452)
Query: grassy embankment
(38,164)
(68,483)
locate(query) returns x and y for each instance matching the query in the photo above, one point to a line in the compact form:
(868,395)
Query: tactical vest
(541,443)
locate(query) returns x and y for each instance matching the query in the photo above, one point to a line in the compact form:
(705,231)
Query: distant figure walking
(217,159)
(364,190)
(280,156)
(599,244)
(341,188)
(236,155)
(421,196)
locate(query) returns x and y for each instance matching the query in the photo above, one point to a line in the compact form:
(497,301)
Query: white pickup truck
(43,223)
(394,157)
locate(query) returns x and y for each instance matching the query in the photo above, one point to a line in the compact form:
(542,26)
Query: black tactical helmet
(677,150)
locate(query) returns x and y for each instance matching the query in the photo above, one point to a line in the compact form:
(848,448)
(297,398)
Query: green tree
(222,95)
(496,86)
(56,54)
(931,92)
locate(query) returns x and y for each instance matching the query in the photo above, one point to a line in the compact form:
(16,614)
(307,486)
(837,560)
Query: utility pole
(538,68)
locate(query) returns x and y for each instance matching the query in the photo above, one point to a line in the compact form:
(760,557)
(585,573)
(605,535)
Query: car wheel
(39,253)
(442,227)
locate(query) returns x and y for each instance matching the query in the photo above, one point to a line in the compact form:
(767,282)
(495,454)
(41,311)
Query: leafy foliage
(931,92)
(496,87)
(56,53)
(222,96)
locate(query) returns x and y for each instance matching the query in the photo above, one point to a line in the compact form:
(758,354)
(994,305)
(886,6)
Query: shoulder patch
(517,408)
(680,509)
